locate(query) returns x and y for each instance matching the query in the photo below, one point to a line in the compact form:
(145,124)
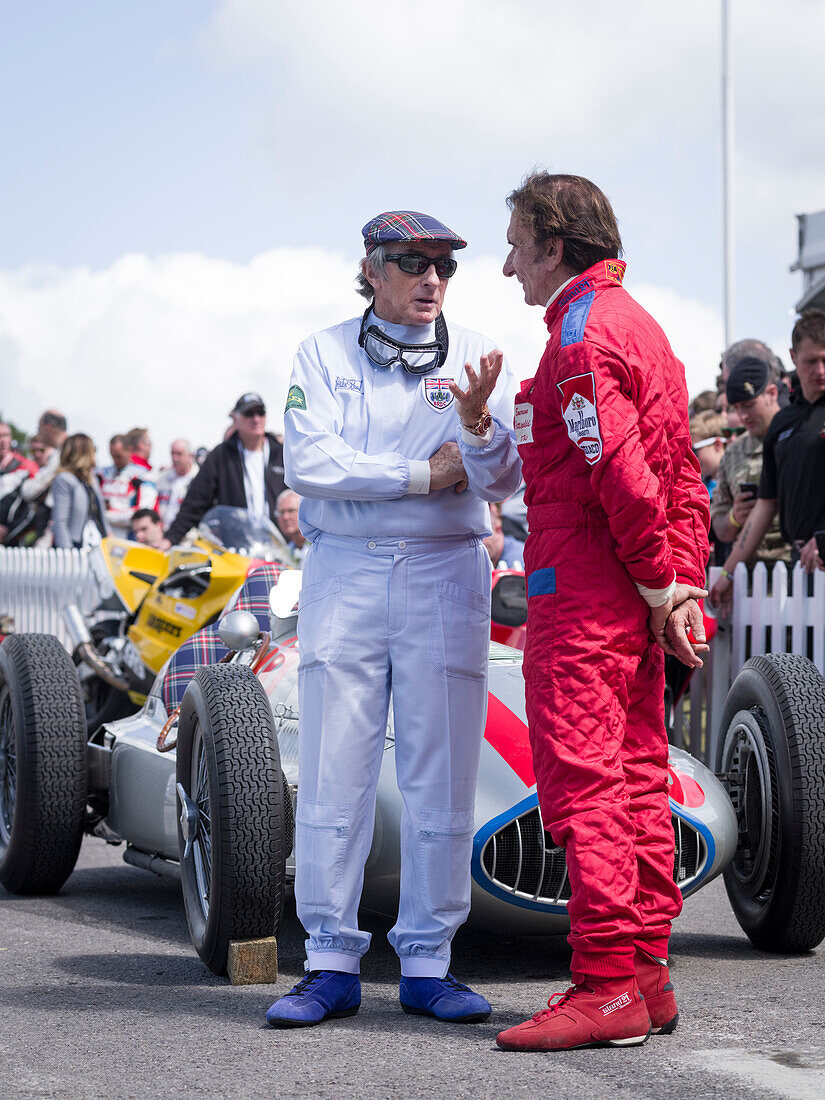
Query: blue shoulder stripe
(572,326)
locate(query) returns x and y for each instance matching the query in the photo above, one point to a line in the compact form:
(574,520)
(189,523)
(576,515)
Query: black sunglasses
(257,411)
(413,264)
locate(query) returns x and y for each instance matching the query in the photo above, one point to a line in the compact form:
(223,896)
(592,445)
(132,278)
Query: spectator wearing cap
(793,464)
(392,447)
(752,349)
(706,435)
(752,391)
(245,471)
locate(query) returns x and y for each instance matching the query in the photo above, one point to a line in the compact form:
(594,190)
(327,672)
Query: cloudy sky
(182,182)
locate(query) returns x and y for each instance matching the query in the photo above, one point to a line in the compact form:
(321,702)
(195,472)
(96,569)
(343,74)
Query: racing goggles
(413,263)
(385,351)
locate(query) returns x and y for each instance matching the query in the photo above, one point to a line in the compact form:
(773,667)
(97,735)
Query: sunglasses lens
(445,267)
(413,265)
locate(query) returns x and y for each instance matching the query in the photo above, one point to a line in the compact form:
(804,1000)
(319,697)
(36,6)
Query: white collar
(560,289)
(404,334)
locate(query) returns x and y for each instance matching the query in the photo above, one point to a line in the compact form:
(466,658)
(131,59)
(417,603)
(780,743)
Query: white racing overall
(395,599)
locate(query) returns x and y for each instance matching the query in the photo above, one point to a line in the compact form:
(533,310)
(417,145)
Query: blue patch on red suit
(542,582)
(572,327)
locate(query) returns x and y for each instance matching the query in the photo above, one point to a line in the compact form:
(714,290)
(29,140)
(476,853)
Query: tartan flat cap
(407,225)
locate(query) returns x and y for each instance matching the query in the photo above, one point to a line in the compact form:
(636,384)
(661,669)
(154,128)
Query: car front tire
(773,753)
(228,767)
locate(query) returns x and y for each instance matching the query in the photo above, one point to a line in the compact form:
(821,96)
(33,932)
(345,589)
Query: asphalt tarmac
(102,996)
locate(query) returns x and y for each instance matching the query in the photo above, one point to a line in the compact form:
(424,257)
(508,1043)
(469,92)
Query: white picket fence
(37,584)
(781,611)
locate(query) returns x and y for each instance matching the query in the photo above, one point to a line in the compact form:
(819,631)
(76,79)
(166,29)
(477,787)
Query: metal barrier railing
(37,584)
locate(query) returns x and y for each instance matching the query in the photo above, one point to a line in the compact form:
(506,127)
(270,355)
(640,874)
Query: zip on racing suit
(615,505)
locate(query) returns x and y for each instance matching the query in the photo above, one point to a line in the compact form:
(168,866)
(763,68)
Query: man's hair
(146,513)
(752,349)
(133,438)
(811,325)
(573,209)
(287,492)
(52,419)
(706,425)
(703,402)
(117,439)
(377,260)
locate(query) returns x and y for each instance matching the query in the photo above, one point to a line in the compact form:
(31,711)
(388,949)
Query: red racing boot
(655,984)
(596,1013)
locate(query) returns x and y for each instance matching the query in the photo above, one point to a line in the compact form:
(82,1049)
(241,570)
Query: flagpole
(727,174)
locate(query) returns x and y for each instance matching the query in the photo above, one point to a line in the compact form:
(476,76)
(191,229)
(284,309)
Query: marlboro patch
(581,418)
(437,393)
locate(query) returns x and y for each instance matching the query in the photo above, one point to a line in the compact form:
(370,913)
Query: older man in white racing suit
(390,442)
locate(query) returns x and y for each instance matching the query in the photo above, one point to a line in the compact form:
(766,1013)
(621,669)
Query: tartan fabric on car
(205,647)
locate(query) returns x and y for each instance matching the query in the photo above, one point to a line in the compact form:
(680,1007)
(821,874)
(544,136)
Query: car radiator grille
(522,859)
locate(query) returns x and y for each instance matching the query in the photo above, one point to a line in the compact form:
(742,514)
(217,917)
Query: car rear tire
(773,748)
(233,866)
(42,764)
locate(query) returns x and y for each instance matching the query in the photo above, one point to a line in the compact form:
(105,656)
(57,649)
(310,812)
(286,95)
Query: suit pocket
(446,839)
(460,631)
(320,624)
(323,831)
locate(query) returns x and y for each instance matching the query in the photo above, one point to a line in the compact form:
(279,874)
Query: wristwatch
(482,425)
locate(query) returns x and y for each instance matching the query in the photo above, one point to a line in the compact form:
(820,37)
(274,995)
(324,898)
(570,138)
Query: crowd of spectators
(759,438)
(60,495)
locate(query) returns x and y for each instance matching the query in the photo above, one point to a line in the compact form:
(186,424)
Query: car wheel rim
(202,844)
(8,767)
(749,755)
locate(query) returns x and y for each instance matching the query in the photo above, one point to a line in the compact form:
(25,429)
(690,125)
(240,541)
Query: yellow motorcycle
(151,601)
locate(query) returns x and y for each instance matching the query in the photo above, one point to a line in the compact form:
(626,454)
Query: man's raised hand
(472,402)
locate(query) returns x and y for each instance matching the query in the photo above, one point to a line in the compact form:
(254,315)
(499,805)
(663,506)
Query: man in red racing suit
(618,520)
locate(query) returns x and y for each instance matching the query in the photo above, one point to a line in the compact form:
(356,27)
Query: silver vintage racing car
(201,782)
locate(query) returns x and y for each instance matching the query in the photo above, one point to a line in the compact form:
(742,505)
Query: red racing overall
(614,501)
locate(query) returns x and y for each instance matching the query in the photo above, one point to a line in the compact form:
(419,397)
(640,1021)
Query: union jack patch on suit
(437,393)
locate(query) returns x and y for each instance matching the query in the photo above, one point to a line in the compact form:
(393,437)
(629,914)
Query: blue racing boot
(321,995)
(444,998)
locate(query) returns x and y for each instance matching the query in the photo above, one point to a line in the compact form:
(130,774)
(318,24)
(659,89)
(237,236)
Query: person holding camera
(793,464)
(752,391)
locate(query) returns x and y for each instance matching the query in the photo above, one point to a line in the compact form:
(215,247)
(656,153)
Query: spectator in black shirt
(793,469)
(245,471)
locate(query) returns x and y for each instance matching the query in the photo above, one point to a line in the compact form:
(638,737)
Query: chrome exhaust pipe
(76,626)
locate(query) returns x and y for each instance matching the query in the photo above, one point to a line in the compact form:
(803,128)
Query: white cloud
(438,75)
(170,342)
